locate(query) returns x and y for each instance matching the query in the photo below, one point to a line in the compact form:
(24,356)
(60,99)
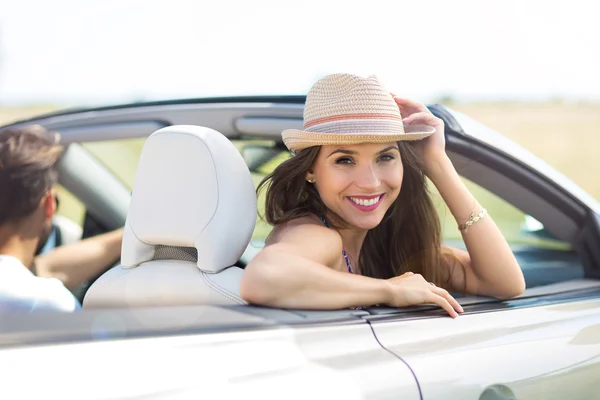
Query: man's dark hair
(28,158)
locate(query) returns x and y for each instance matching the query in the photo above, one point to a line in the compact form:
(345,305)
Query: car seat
(191,216)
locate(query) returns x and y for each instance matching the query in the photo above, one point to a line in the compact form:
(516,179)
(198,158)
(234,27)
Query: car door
(541,347)
(198,352)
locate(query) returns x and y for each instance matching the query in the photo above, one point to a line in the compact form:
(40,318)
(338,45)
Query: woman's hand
(412,289)
(432,149)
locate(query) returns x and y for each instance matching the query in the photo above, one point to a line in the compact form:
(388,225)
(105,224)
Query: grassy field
(567,136)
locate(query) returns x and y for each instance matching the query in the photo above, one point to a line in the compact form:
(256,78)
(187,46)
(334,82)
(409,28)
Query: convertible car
(167,321)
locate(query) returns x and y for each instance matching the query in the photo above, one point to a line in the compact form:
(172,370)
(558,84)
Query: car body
(543,344)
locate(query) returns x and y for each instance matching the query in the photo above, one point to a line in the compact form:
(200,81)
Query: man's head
(28,158)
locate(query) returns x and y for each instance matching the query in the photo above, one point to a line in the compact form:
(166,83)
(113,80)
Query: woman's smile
(366,203)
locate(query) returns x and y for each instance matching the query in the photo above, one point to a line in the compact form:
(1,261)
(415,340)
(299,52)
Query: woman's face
(358,182)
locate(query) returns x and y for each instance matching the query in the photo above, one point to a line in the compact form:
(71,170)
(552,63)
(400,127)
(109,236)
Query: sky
(75,52)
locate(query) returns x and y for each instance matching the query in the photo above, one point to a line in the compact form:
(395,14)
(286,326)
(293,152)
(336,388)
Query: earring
(310,180)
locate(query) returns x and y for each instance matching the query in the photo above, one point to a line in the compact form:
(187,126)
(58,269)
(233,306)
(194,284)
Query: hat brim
(296,139)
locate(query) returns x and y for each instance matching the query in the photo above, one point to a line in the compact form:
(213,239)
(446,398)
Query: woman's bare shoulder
(303,228)
(308,237)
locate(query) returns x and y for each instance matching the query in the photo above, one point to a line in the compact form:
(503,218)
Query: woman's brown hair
(407,239)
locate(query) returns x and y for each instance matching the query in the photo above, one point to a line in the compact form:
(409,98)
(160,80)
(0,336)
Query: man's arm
(76,263)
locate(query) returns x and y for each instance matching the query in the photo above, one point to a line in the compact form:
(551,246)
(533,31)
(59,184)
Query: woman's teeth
(365,202)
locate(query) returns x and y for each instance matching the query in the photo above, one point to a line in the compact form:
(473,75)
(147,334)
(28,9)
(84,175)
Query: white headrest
(192,189)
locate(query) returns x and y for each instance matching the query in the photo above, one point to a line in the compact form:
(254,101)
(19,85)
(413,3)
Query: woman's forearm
(280,279)
(492,260)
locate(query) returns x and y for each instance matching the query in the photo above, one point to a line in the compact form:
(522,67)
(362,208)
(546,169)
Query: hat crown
(339,95)
(349,109)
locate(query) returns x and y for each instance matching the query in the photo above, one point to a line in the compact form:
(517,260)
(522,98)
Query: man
(28,159)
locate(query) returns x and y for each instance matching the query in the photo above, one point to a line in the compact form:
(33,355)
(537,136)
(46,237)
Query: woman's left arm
(489,266)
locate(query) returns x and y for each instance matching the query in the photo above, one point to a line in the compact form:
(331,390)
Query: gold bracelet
(474,218)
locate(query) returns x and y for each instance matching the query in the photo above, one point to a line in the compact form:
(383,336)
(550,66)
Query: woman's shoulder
(307,231)
(307,236)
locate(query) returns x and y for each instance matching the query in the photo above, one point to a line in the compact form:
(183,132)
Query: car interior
(107,199)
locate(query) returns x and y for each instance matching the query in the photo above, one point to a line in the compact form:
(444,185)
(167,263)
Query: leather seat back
(191,216)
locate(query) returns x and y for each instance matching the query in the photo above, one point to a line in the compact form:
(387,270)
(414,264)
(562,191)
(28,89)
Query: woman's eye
(343,160)
(387,157)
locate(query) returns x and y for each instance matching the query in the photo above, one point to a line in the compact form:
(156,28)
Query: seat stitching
(225,290)
(219,289)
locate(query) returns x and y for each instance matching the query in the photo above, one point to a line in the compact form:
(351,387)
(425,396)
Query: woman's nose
(367,178)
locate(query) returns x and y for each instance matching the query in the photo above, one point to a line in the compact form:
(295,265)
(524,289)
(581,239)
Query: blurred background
(526,68)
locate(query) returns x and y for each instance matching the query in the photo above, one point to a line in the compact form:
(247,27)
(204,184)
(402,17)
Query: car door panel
(523,352)
(315,362)
(351,352)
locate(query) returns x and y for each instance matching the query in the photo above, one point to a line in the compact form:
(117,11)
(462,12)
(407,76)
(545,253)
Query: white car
(173,325)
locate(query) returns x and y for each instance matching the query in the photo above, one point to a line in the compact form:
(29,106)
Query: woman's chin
(366,222)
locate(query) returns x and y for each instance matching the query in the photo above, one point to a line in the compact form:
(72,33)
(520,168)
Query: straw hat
(349,109)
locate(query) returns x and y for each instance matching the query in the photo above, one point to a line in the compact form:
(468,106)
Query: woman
(353,222)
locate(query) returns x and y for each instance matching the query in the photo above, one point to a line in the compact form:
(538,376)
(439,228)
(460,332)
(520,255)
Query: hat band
(363,125)
(342,117)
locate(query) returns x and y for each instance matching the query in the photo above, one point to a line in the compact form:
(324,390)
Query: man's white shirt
(20,290)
